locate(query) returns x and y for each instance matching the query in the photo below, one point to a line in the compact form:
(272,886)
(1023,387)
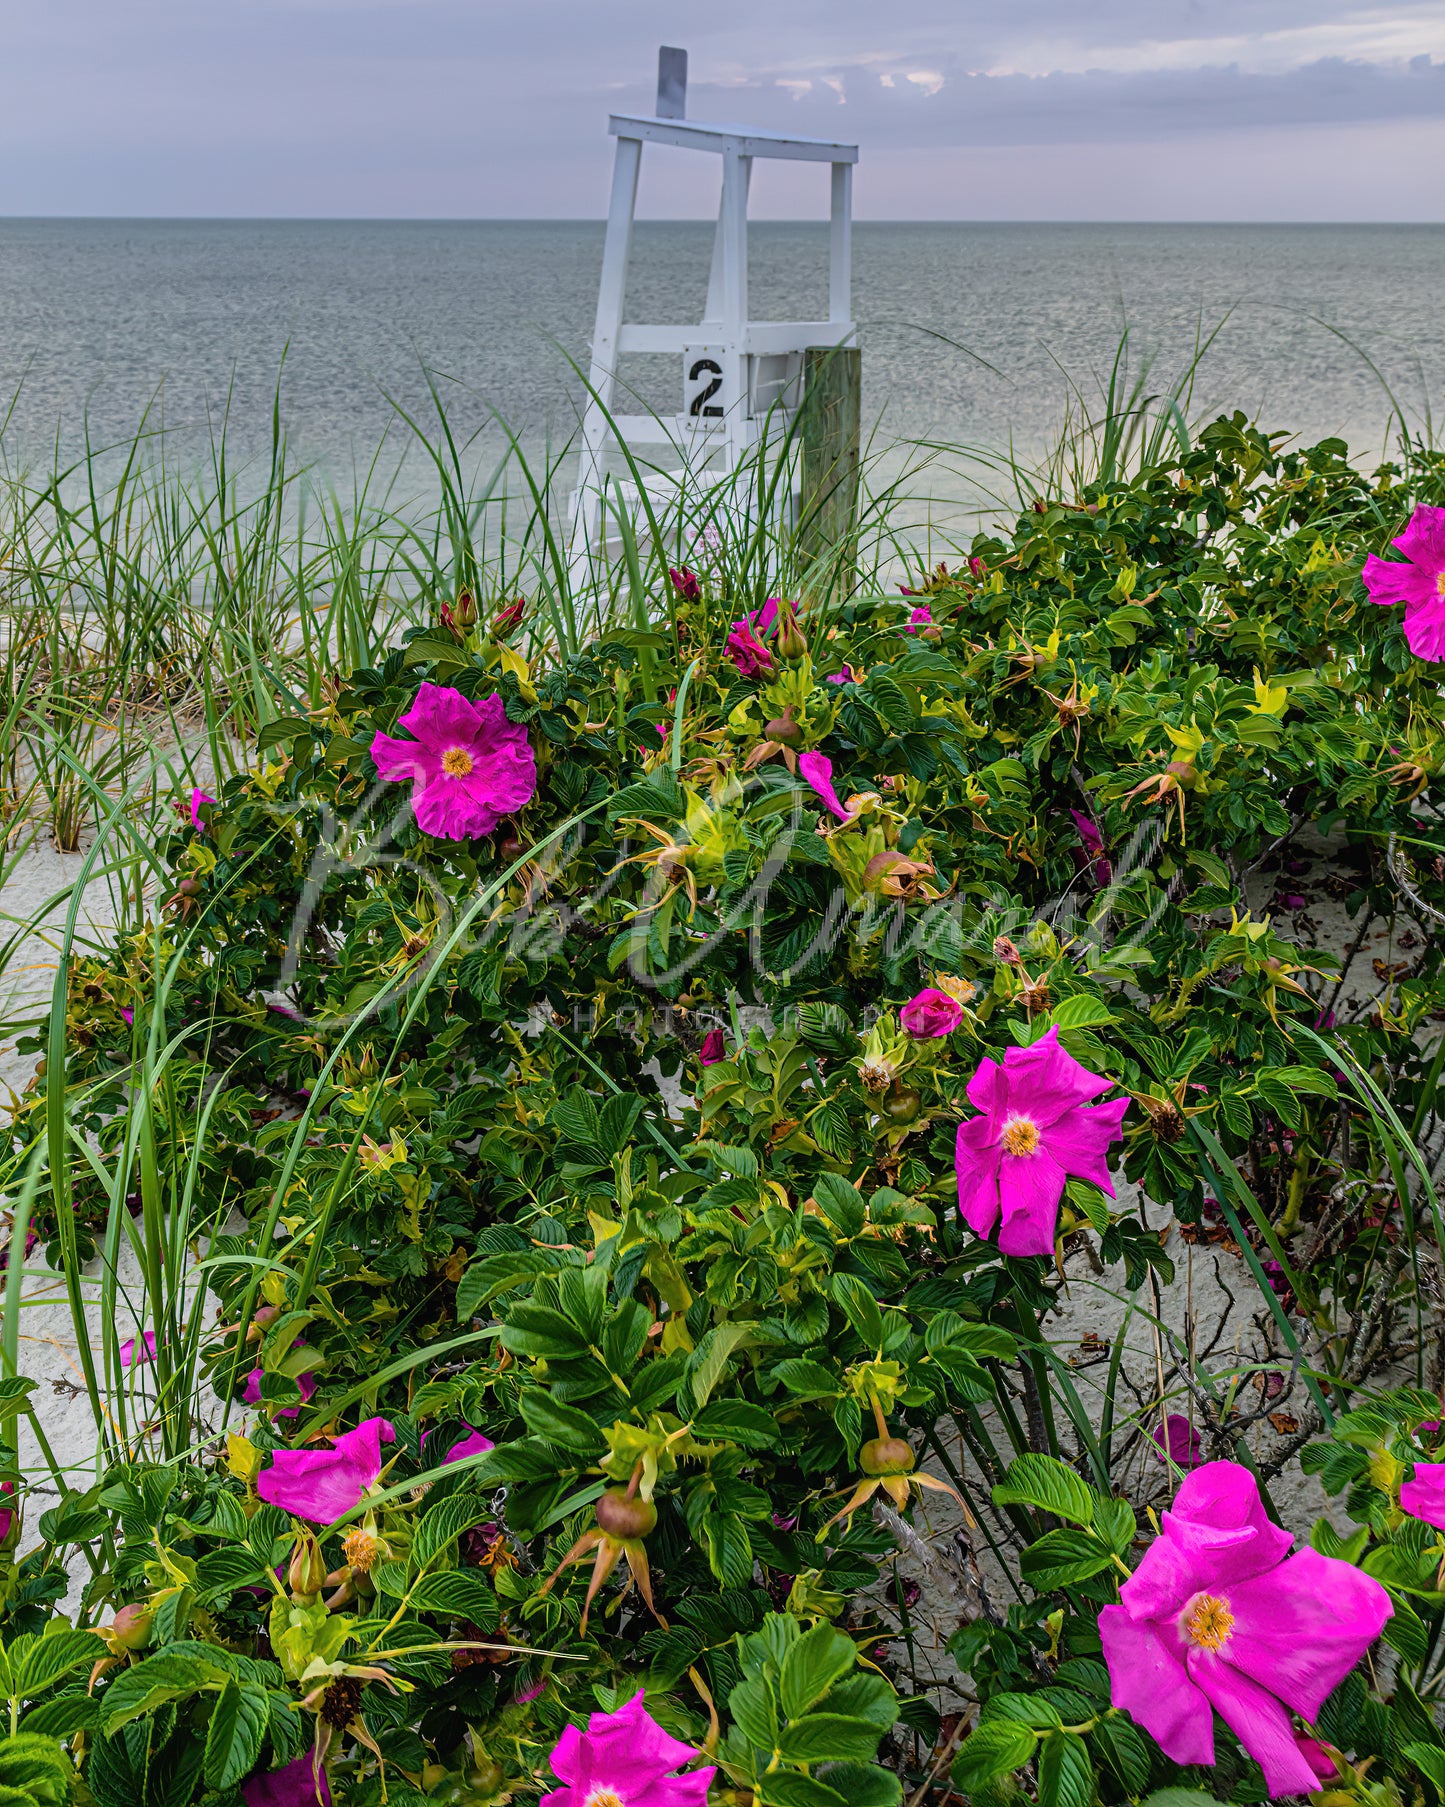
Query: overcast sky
(964,109)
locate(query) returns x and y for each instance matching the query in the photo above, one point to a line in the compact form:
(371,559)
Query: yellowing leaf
(1269,699)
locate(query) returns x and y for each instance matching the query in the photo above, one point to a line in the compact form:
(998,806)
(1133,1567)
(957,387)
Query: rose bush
(679,1106)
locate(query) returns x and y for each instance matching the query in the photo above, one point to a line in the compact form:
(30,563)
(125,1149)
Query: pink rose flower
(1034,1131)
(685,583)
(818,770)
(137,1350)
(977,568)
(7,1516)
(931,1014)
(845,676)
(1424,1497)
(470,766)
(252,1393)
(714,1048)
(321,1484)
(1183,1444)
(468,1446)
(627,1758)
(1218,1617)
(1419,583)
(198,797)
(747,652)
(298,1784)
(922,616)
(128,1014)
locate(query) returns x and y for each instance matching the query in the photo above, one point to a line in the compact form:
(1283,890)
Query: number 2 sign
(702,383)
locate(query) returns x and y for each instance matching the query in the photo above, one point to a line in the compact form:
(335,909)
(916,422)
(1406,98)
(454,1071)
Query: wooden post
(831,434)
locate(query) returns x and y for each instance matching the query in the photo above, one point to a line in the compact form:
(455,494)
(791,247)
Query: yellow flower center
(1207,1622)
(1020,1136)
(1440,584)
(361,1549)
(604,1797)
(456,762)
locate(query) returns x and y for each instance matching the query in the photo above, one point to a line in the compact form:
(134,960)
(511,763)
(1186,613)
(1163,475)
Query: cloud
(952,106)
(451,106)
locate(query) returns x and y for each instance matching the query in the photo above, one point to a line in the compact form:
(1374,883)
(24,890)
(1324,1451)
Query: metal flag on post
(741,378)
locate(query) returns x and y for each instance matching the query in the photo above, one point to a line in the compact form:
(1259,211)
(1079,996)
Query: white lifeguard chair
(741,378)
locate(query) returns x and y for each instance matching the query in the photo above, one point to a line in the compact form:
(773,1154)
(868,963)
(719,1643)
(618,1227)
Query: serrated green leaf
(1045,1483)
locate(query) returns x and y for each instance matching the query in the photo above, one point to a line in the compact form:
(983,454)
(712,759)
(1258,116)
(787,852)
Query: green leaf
(710,1359)
(751,1705)
(1114,1521)
(1080,1012)
(865,1785)
(168,1675)
(1046,1483)
(1125,1752)
(808,1380)
(1180,1797)
(442,1524)
(72,1710)
(842,1204)
(235,1734)
(860,1308)
(735,1421)
(56,1654)
(561,1424)
(1066,1776)
(1429,1759)
(820,1657)
(995,1748)
(1062,1557)
(458,1594)
(828,1738)
(541,1334)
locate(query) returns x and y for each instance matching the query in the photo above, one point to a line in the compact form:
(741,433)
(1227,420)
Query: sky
(963,109)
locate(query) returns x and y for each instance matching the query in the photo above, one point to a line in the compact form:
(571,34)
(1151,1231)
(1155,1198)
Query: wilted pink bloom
(1318,1758)
(525,1696)
(845,676)
(7,1516)
(128,1014)
(252,1394)
(1292,901)
(685,583)
(625,1758)
(1184,1447)
(321,1484)
(198,797)
(931,1014)
(714,1048)
(1090,856)
(747,652)
(922,616)
(1034,1131)
(977,568)
(472,1445)
(297,1784)
(1424,1497)
(1219,1616)
(470,765)
(137,1350)
(817,768)
(1419,583)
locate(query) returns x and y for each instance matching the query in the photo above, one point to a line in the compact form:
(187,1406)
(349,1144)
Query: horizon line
(365,219)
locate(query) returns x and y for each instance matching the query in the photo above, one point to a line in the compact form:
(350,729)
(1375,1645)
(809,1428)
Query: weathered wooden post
(832,426)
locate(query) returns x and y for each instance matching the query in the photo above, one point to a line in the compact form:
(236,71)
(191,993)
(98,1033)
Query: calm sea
(972,334)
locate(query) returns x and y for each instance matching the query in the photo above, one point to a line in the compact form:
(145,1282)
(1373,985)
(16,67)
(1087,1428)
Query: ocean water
(971,334)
